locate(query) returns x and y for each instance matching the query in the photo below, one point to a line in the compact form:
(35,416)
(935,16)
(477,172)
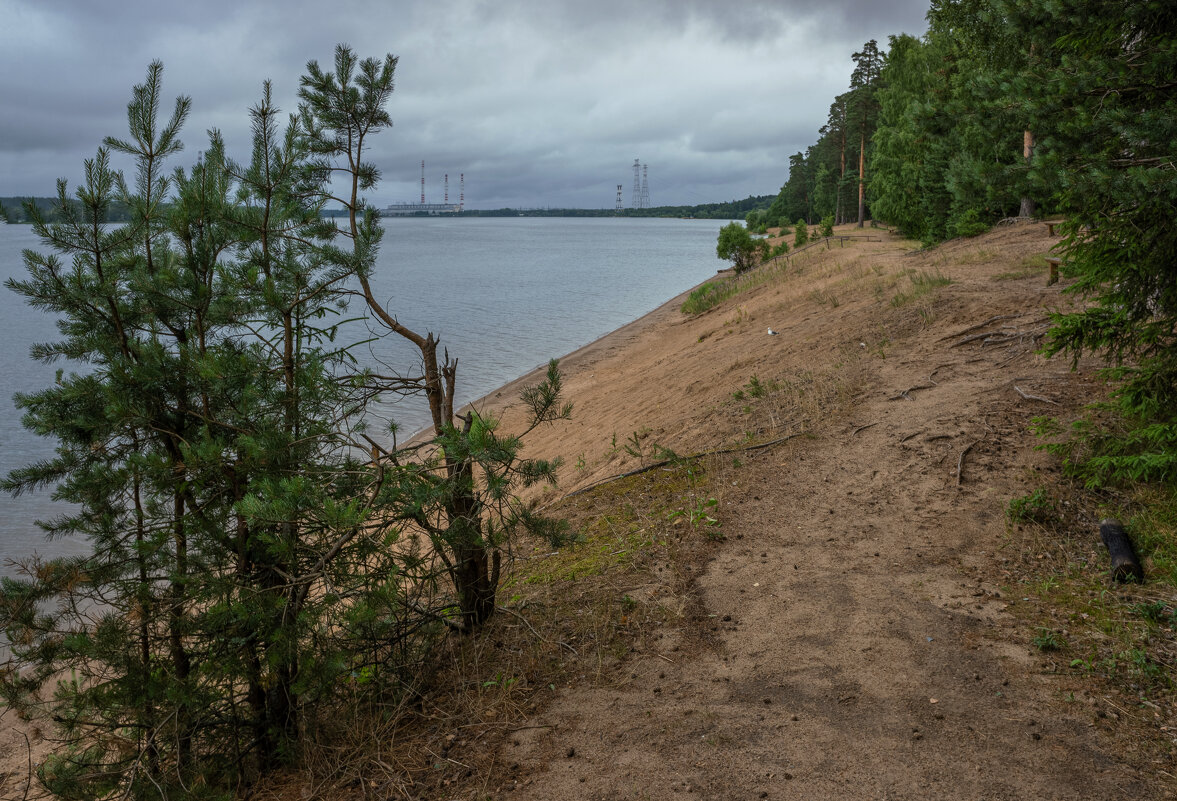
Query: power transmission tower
(637,184)
(618,206)
(645,189)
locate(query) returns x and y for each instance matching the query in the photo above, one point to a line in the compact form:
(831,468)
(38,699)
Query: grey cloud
(536,102)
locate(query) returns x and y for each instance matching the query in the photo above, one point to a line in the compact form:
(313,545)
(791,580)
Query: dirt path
(855,642)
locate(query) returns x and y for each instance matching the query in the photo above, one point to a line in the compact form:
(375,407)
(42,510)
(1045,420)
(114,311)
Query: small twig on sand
(525,622)
(1123,711)
(29,780)
(449,759)
(939,367)
(1016,336)
(905,393)
(960,461)
(863,428)
(1009,359)
(525,728)
(1027,396)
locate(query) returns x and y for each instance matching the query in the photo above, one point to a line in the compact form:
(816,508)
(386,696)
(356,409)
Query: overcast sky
(538,103)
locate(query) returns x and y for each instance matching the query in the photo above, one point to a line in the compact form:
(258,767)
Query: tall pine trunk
(862,178)
(1028,206)
(181,662)
(840,212)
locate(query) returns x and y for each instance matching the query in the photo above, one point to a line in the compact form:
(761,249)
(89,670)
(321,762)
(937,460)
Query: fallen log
(1125,563)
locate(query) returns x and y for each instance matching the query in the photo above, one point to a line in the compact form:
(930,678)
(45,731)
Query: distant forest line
(12,209)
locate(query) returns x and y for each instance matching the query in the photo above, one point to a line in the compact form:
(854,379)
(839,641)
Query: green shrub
(737,245)
(800,233)
(1036,507)
(827,226)
(967,223)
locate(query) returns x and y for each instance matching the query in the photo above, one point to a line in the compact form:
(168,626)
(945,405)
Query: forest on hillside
(1031,109)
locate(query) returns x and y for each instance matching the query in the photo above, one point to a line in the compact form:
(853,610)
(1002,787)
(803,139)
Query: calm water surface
(503,294)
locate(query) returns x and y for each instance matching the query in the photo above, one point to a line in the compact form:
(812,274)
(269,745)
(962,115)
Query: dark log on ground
(1125,563)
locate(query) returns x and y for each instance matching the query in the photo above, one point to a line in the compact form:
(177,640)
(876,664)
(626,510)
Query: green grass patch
(1029,267)
(712,293)
(1154,529)
(1082,621)
(755,388)
(1017,275)
(609,542)
(824,297)
(981,256)
(922,283)
(1037,507)
(708,295)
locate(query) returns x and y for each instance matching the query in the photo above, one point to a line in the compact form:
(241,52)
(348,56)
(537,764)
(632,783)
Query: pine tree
(1106,111)
(250,547)
(463,500)
(867,65)
(210,450)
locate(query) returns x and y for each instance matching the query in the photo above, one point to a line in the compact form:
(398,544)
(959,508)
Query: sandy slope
(854,636)
(855,639)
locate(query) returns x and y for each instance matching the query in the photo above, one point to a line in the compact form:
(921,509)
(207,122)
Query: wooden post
(1125,564)
(1053,262)
(1050,228)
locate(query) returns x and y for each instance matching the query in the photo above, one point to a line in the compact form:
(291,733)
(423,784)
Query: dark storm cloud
(538,103)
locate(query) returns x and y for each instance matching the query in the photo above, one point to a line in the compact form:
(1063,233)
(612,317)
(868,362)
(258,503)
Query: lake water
(503,294)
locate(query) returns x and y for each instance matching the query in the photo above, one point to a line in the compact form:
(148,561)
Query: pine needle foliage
(253,551)
(1106,99)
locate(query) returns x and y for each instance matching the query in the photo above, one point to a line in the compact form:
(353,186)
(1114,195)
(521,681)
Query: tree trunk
(862,178)
(1028,207)
(840,216)
(476,563)
(477,572)
(180,660)
(145,612)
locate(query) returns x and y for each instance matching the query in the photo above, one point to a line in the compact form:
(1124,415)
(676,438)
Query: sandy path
(855,642)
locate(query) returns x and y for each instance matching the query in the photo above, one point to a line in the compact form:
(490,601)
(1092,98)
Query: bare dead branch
(972,328)
(530,628)
(1027,396)
(906,393)
(960,461)
(973,338)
